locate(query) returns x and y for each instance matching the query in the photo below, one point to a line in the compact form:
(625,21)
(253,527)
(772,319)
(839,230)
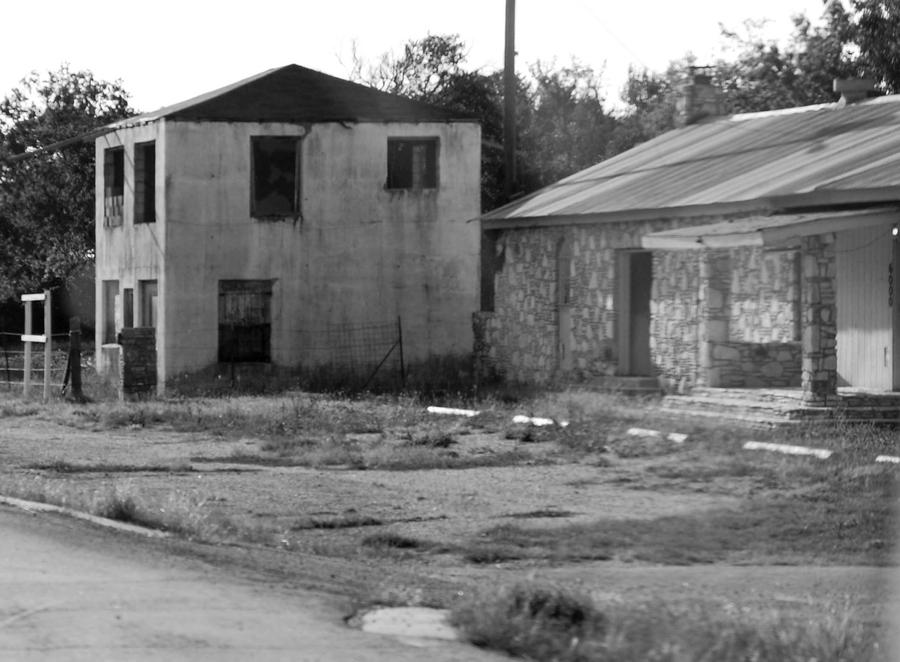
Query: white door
(865,338)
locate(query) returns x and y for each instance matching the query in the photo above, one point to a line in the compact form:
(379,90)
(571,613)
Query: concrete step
(626,385)
(732,407)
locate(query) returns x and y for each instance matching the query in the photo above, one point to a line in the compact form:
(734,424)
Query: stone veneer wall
(753,365)
(764,297)
(674,317)
(819,379)
(519,340)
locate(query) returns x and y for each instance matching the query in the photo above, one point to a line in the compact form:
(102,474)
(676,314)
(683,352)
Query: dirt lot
(427,508)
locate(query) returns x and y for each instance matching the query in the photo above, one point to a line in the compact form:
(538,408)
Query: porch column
(819,377)
(713,312)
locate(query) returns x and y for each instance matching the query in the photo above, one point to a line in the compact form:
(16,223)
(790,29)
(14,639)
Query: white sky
(166,51)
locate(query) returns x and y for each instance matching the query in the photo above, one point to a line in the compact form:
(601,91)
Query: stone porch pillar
(819,317)
(713,312)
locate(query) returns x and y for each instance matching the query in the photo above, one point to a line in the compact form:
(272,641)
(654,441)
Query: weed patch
(63,467)
(838,531)
(388,540)
(532,514)
(548,622)
(346,521)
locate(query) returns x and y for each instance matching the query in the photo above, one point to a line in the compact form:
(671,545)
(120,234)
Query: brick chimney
(697,99)
(854,89)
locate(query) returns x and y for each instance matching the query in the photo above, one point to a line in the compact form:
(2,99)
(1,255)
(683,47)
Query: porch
(845,327)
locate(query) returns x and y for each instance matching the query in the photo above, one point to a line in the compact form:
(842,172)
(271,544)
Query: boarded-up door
(865,338)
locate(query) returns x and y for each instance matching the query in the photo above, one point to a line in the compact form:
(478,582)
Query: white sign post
(28,337)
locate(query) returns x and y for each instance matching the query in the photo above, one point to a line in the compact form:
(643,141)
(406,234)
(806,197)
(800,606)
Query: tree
(876,30)
(564,127)
(47,201)
(561,124)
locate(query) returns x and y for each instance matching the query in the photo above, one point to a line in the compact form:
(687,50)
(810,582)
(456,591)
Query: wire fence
(12,361)
(360,353)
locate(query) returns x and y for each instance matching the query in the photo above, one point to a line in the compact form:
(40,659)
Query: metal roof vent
(854,89)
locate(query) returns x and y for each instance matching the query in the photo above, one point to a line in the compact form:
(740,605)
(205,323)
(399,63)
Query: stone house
(754,250)
(242,223)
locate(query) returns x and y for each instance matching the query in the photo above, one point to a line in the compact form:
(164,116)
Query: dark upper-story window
(145,182)
(113,185)
(412,163)
(274,176)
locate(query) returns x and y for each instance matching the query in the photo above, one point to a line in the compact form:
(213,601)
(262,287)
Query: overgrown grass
(547,622)
(849,519)
(180,512)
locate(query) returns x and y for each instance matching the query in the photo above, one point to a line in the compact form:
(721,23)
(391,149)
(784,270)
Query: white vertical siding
(864,326)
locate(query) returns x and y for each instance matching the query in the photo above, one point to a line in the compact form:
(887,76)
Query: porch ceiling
(777,231)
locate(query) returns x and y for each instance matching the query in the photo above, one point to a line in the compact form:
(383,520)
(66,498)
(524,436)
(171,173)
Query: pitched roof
(296,94)
(800,157)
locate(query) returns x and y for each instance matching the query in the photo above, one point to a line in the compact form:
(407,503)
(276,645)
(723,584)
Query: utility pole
(509,102)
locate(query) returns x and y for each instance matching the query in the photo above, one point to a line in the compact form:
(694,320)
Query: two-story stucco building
(244,221)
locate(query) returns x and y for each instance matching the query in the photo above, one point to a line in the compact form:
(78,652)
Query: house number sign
(891,284)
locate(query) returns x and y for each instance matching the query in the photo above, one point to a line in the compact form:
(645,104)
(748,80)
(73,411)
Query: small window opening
(113,185)
(110,310)
(412,164)
(145,182)
(128,307)
(245,321)
(275,170)
(148,294)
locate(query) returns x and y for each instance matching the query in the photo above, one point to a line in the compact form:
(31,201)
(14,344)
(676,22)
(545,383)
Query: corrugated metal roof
(821,151)
(296,94)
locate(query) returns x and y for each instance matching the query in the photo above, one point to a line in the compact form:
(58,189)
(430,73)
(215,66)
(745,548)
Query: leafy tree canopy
(47,201)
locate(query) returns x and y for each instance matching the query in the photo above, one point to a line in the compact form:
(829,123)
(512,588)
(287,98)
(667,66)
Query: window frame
(144,182)
(230,337)
(397,180)
(148,302)
(113,190)
(294,210)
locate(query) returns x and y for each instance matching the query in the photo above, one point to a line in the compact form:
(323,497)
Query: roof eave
(771,204)
(627,215)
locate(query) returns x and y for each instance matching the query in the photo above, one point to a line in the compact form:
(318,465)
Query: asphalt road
(73,591)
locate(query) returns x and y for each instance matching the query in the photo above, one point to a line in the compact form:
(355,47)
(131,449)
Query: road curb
(40,507)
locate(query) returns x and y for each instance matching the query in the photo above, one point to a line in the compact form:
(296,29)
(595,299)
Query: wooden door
(865,327)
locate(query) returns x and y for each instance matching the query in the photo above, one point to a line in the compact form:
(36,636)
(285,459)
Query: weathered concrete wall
(358,253)
(128,252)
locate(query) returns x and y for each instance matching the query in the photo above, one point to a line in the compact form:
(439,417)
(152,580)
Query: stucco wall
(128,253)
(357,254)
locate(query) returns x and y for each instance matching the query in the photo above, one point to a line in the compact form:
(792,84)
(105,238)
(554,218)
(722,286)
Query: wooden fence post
(48,344)
(26,376)
(75,358)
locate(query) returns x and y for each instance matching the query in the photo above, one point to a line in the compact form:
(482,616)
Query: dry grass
(547,622)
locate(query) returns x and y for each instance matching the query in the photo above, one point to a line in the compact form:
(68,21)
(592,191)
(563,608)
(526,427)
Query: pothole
(412,624)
